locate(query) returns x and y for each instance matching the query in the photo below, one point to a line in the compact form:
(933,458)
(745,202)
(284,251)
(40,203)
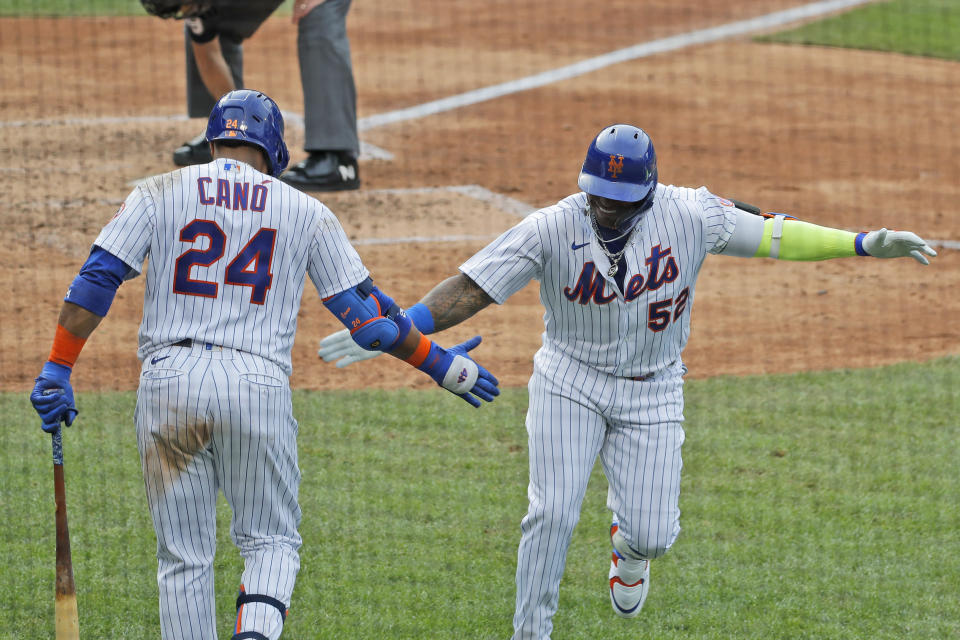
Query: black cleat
(324,171)
(196,151)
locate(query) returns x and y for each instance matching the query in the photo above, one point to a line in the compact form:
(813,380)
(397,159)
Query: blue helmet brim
(622,191)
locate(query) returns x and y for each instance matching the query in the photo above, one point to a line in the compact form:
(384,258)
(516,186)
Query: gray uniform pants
(326,73)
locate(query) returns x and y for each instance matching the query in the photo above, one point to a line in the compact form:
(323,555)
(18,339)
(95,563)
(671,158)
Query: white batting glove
(897,244)
(341,345)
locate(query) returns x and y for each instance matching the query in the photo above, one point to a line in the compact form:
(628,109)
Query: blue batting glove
(458,373)
(52,397)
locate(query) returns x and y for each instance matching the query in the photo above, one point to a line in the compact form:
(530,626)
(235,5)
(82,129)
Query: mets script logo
(462,376)
(662,269)
(615,166)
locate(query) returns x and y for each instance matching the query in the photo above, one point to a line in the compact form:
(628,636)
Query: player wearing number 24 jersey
(228,250)
(617,265)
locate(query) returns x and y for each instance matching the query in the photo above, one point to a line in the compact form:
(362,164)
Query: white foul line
(505,203)
(642,50)
(672,43)
(945,244)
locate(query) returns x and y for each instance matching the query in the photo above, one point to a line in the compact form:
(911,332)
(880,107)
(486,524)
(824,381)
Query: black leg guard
(246,598)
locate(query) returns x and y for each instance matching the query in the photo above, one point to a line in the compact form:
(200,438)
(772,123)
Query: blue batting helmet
(252,117)
(620,165)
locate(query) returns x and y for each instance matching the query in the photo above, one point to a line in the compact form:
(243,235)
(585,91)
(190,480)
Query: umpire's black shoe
(324,171)
(196,151)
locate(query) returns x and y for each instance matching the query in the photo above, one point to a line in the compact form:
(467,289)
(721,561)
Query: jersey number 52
(249,268)
(659,313)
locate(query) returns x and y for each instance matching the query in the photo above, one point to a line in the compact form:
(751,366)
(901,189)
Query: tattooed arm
(454,300)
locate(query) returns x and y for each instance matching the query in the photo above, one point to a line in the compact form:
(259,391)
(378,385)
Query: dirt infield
(844,138)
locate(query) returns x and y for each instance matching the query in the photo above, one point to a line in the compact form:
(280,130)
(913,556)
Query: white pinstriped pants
(577,413)
(210,419)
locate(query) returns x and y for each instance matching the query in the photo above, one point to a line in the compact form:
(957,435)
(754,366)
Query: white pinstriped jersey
(640,330)
(228,250)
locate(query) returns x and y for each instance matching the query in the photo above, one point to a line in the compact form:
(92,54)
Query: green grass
(814,506)
(916,27)
(83,8)
(71,8)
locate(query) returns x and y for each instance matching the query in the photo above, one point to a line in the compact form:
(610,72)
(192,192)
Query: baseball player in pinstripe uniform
(229,248)
(617,265)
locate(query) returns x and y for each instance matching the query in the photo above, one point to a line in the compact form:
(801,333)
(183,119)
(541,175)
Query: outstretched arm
(786,238)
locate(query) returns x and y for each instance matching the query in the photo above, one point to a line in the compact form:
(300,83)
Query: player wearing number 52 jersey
(229,248)
(617,264)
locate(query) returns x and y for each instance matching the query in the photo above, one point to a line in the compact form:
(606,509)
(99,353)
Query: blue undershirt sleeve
(96,285)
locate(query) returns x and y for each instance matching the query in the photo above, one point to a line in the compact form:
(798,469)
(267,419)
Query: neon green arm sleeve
(796,240)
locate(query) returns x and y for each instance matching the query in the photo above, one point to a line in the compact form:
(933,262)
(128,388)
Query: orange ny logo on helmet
(615,166)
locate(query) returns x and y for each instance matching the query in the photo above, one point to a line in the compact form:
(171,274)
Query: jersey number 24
(249,268)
